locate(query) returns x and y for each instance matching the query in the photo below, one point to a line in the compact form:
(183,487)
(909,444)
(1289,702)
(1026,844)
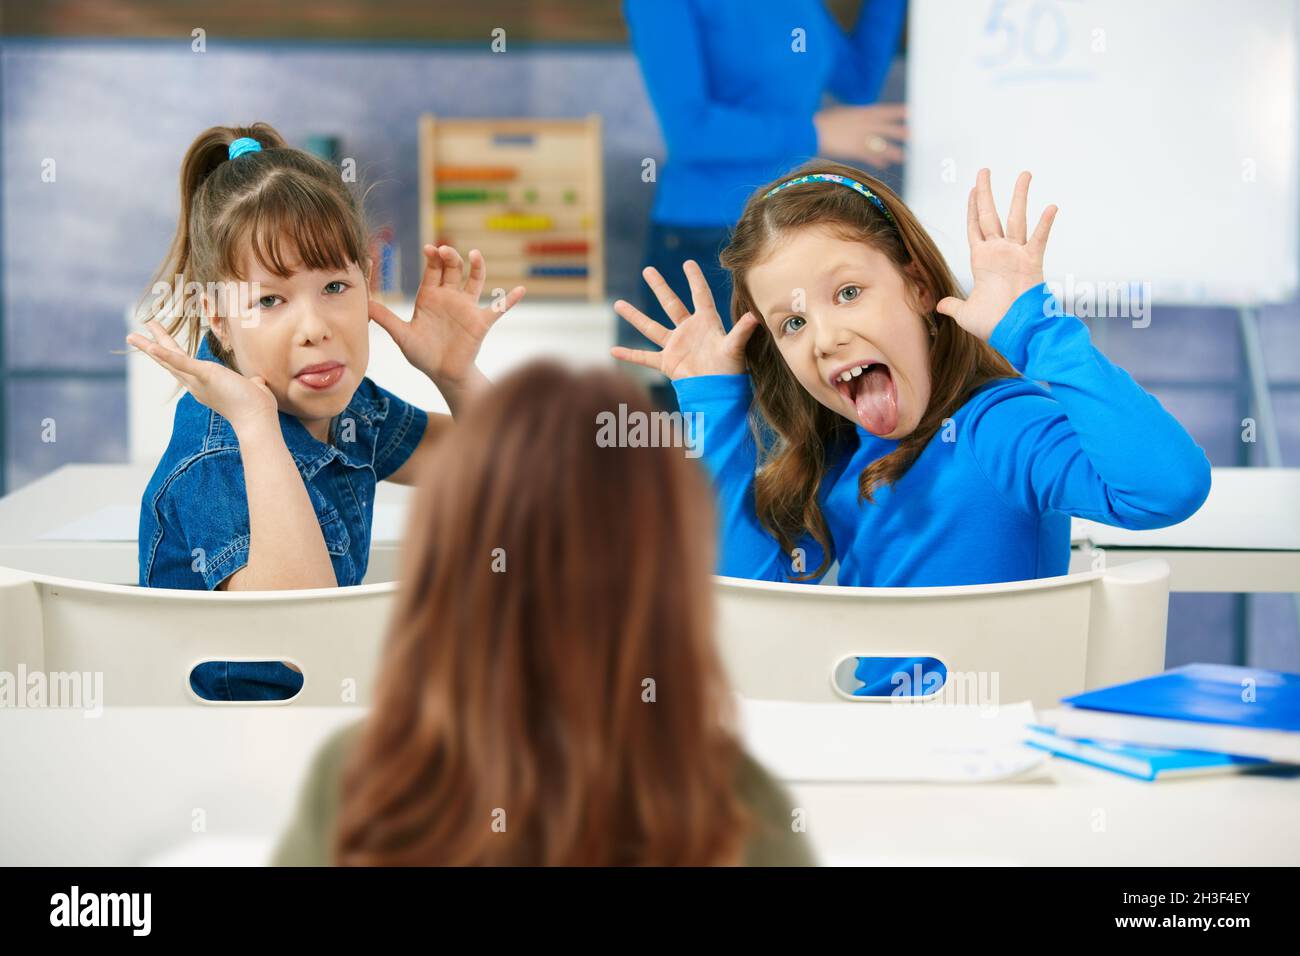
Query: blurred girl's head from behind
(270,254)
(550,691)
(845,292)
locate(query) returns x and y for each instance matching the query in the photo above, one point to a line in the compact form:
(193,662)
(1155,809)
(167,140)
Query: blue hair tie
(833,178)
(245,144)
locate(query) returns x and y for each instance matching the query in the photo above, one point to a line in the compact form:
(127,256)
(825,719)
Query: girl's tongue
(876,400)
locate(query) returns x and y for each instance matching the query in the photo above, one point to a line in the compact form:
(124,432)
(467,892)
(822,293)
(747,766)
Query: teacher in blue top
(738,87)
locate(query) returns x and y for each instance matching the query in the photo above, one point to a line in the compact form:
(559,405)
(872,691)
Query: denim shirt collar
(309,454)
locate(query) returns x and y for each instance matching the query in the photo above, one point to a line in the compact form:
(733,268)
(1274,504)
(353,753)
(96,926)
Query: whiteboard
(1165,130)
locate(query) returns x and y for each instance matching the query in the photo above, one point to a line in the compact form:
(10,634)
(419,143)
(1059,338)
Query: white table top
(1209,552)
(132,785)
(74,492)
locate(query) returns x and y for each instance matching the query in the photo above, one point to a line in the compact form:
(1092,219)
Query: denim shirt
(194,528)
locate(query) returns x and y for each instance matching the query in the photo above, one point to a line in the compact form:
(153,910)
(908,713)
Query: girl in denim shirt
(269,479)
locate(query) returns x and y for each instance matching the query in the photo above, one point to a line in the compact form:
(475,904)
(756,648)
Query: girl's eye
(335,287)
(789,326)
(268,301)
(856,290)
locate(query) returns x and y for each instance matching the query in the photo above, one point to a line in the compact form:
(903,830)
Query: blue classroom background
(75,256)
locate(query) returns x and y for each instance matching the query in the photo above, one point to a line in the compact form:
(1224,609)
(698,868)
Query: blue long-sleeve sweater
(994,502)
(735,97)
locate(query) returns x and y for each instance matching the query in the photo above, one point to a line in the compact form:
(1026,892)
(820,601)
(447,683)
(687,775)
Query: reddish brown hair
(794,431)
(545,580)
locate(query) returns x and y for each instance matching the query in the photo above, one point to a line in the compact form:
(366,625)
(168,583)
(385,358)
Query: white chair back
(20,622)
(1037,640)
(146,641)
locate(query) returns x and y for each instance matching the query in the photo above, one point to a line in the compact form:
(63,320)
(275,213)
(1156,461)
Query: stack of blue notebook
(1197,719)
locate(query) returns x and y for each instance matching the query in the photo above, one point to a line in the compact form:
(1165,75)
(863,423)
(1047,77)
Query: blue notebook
(1145,763)
(1208,693)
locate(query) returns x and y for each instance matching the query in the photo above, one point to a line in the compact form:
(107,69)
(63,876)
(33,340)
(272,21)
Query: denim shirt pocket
(338,541)
(332,526)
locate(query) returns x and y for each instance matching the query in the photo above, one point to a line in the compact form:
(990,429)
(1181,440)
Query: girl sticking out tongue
(861,411)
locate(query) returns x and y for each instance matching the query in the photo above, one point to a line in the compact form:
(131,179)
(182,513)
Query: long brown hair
(795,432)
(276,203)
(550,667)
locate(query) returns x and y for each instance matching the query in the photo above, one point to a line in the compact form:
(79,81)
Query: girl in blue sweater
(861,411)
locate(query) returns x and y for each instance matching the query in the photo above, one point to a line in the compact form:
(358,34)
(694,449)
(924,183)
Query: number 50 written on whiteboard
(1030,40)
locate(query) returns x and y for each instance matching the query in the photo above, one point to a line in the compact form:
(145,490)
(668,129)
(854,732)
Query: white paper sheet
(889,742)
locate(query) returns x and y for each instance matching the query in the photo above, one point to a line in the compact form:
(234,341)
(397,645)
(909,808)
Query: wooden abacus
(527,193)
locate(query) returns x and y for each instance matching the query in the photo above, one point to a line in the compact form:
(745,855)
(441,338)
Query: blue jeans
(667,247)
(245,680)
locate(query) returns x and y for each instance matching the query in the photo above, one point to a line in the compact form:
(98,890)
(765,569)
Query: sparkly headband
(833,178)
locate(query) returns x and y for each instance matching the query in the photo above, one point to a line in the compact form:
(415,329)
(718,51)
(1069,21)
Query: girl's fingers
(974,234)
(1016,224)
(386,319)
(431,278)
(701,294)
(989,222)
(161,337)
(1038,241)
(452,266)
(637,357)
(672,305)
(741,333)
(477,274)
(647,326)
(499,309)
(158,354)
(172,358)
(950,306)
(432,269)
(260,382)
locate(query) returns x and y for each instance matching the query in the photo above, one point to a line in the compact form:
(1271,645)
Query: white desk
(134,783)
(74,491)
(1209,552)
